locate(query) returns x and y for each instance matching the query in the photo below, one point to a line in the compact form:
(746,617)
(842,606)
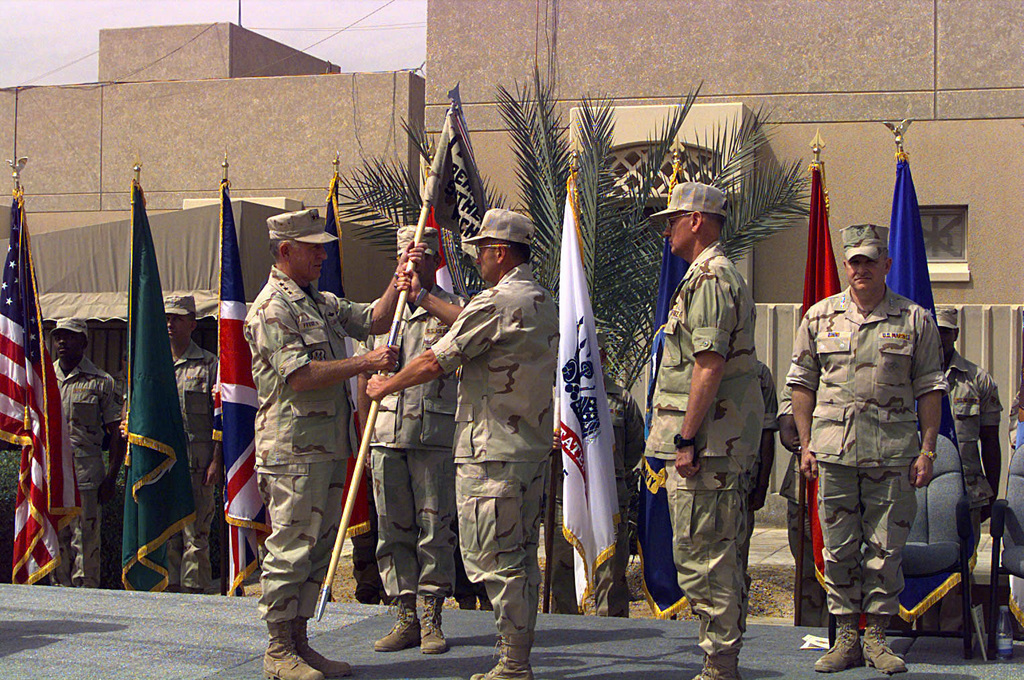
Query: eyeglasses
(493,245)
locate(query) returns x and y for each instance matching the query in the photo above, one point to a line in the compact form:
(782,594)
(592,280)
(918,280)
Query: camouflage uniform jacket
(506,340)
(196,374)
(771,412)
(90,403)
(286,329)
(974,398)
(867,372)
(628,425)
(714,311)
(422,416)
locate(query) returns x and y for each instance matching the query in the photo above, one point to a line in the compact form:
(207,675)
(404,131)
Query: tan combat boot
(432,639)
(720,667)
(514,663)
(281,662)
(406,631)
(330,669)
(876,652)
(846,652)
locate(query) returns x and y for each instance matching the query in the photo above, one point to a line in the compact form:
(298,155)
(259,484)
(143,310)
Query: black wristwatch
(681,442)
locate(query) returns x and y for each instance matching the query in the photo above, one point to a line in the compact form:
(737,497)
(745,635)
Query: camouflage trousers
(866,515)
(611,592)
(304,502)
(414,491)
(499,527)
(812,596)
(80,546)
(188,551)
(707,529)
(369,588)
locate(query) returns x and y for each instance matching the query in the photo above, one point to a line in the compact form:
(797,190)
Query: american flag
(31,415)
(235,411)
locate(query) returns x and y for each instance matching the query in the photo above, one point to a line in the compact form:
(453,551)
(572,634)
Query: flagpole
(371,418)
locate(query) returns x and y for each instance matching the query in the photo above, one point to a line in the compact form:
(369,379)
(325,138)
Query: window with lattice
(945,232)
(627,162)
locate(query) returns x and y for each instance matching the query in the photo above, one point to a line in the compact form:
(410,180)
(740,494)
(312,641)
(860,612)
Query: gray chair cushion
(933,545)
(926,559)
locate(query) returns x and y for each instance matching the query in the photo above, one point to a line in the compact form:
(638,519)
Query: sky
(54,42)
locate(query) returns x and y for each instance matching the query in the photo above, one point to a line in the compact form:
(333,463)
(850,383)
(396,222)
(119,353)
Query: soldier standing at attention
(707,418)
(195,371)
(506,341)
(414,475)
(93,410)
(296,334)
(860,360)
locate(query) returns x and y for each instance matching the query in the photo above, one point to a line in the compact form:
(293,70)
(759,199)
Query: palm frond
(377,198)
(771,197)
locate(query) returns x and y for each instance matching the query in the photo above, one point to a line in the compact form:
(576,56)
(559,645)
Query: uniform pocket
(835,355)
(313,430)
(893,367)
(490,516)
(438,423)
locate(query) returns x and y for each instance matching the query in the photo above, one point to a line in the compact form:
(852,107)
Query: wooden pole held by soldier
(549,526)
(798,590)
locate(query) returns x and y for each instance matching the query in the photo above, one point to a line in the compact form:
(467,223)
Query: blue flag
(654,526)
(909,277)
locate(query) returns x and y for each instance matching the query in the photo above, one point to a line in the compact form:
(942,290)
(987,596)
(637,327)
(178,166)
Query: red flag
(821,279)
(31,415)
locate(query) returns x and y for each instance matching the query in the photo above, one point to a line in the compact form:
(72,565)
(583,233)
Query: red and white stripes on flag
(589,501)
(235,412)
(31,415)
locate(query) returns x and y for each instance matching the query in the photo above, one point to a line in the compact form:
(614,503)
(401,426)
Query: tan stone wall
(952,66)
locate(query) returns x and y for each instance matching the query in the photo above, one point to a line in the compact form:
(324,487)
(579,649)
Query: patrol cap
(305,225)
(179,304)
(945,317)
(602,340)
(693,197)
(405,235)
(869,240)
(73,326)
(504,225)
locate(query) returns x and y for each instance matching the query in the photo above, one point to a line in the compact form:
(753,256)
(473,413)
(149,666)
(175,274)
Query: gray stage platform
(109,635)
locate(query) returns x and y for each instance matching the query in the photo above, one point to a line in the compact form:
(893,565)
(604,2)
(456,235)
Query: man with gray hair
(707,416)
(866,369)
(296,334)
(414,474)
(195,372)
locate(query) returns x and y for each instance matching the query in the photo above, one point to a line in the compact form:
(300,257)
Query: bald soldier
(506,342)
(414,475)
(195,372)
(296,334)
(707,420)
(867,367)
(93,409)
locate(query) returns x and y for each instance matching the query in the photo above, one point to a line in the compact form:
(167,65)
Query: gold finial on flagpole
(898,130)
(224,165)
(137,168)
(17,165)
(817,145)
(336,162)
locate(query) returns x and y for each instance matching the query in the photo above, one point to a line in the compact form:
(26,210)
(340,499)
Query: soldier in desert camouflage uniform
(414,476)
(860,360)
(195,371)
(611,592)
(93,409)
(296,334)
(707,418)
(506,342)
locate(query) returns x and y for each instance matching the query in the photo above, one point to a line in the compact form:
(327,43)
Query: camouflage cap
(869,240)
(179,304)
(693,197)
(945,317)
(405,235)
(305,225)
(504,225)
(72,325)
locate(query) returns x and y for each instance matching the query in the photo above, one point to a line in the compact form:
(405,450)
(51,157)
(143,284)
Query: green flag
(158,489)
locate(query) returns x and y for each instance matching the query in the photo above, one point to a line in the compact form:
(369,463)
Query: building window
(945,232)
(626,162)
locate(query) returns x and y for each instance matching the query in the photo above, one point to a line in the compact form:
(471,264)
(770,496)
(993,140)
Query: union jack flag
(235,411)
(31,415)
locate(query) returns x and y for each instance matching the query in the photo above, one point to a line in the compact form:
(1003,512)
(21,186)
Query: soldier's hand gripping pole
(364,444)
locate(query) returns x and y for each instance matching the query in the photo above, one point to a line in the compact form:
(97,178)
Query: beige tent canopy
(84,272)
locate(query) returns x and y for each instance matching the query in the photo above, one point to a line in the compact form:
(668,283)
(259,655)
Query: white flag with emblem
(589,503)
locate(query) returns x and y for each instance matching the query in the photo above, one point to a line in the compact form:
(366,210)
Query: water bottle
(1004,634)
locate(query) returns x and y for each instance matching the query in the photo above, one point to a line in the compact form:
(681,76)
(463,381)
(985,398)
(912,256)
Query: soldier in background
(195,372)
(297,338)
(414,475)
(611,592)
(707,418)
(93,409)
(506,342)
(861,359)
